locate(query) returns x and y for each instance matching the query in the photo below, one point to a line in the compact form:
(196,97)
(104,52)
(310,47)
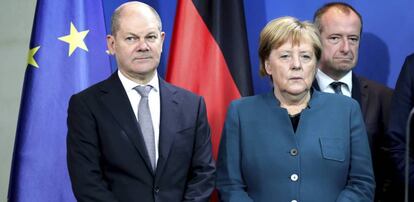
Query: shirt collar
(129,85)
(324,80)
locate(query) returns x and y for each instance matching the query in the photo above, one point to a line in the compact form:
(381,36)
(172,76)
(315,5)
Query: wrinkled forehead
(294,39)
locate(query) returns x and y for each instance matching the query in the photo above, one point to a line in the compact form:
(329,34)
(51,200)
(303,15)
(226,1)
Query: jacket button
(294,177)
(294,201)
(293,152)
(156,189)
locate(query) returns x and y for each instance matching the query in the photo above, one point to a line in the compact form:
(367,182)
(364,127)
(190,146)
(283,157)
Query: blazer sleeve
(230,183)
(83,154)
(361,181)
(401,105)
(203,170)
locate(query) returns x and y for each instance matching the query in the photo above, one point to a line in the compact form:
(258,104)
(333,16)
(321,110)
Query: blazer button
(293,201)
(293,152)
(294,177)
(156,190)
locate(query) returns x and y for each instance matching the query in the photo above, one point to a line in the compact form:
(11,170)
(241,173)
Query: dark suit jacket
(374,100)
(259,154)
(402,104)
(107,157)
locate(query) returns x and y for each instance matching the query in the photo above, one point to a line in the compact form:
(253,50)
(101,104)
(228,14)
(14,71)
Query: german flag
(209,56)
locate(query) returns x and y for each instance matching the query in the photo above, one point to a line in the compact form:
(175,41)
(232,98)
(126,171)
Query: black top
(295,120)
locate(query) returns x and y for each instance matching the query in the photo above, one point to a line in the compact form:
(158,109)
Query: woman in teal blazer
(294,144)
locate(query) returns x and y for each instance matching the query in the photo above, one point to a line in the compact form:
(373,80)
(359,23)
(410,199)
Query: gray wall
(16,18)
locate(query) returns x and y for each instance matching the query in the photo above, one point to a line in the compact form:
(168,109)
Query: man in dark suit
(134,137)
(401,105)
(340,26)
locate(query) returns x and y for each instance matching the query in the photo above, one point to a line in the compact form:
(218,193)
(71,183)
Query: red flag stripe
(197,63)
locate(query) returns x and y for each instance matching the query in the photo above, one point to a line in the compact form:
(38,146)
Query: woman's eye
(284,56)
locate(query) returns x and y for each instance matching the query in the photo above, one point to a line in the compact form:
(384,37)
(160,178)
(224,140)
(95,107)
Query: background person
(402,104)
(340,26)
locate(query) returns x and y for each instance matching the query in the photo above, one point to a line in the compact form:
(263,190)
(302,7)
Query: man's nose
(345,46)
(142,45)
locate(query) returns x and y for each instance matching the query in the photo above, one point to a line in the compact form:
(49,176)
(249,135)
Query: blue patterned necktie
(336,86)
(145,122)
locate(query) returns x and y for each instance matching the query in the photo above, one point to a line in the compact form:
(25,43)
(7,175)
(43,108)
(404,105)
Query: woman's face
(292,67)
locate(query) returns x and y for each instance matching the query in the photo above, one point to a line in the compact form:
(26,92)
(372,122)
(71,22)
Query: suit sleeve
(361,181)
(230,182)
(401,105)
(83,154)
(201,179)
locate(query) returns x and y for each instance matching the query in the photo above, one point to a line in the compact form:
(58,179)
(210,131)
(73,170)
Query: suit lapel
(359,92)
(168,124)
(315,85)
(117,102)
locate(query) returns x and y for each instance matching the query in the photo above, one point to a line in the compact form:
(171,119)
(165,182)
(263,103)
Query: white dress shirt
(324,82)
(153,102)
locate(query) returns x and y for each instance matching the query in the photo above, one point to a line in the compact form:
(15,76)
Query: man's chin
(345,66)
(142,61)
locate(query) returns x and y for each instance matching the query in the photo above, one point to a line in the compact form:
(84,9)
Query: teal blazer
(262,159)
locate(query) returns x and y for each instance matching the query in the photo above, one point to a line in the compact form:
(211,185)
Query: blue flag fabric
(67,54)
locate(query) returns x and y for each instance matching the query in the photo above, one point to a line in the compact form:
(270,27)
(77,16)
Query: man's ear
(162,40)
(110,43)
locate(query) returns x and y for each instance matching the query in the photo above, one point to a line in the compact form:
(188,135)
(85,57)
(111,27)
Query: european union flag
(67,54)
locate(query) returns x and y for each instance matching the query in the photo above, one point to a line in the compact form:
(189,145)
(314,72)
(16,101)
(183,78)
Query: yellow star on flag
(75,39)
(30,57)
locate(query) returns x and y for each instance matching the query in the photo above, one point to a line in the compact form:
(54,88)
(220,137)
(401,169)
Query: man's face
(137,44)
(340,39)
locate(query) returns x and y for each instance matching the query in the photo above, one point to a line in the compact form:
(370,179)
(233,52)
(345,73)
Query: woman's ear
(267,67)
